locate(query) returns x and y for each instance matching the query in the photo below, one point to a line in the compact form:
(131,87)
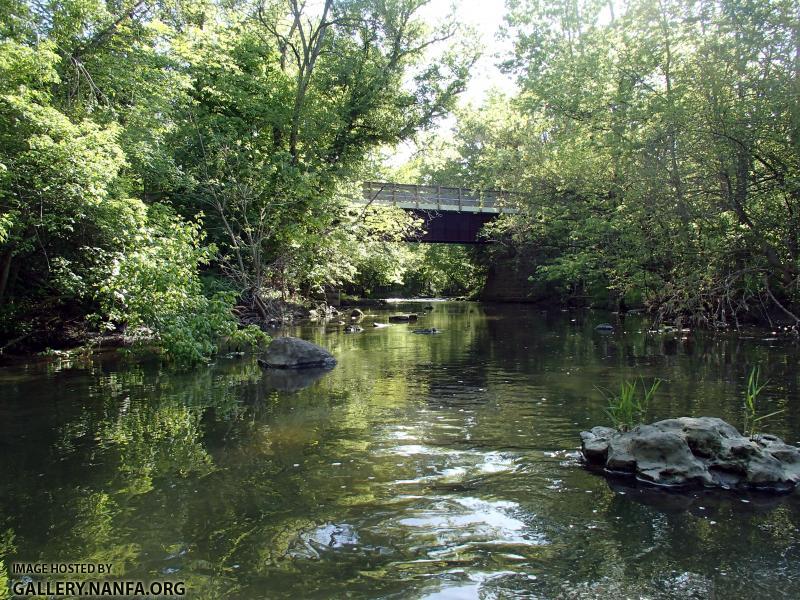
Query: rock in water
(694,452)
(403,318)
(294,353)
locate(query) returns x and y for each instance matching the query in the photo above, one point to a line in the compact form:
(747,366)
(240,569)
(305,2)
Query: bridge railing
(436,197)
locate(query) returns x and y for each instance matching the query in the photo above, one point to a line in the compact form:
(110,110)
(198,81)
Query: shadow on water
(700,502)
(422,466)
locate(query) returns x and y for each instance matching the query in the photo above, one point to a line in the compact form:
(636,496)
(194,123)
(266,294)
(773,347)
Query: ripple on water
(447,466)
(442,527)
(462,585)
(328,536)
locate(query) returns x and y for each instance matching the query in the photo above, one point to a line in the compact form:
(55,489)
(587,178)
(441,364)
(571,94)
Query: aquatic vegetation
(627,408)
(754,389)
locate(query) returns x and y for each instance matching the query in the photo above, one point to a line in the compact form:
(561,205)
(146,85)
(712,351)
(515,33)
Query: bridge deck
(437,198)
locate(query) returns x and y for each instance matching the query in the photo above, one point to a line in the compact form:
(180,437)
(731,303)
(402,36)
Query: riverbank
(62,335)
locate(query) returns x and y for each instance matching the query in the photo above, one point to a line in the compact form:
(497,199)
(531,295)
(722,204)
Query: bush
(155,290)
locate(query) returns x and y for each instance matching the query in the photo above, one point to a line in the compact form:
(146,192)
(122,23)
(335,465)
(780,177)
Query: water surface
(423,466)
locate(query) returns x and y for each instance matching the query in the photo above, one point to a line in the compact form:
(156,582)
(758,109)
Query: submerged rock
(356,313)
(294,353)
(432,330)
(694,452)
(380,324)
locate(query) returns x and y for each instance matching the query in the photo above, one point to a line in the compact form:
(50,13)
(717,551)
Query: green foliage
(655,154)
(444,270)
(371,247)
(56,186)
(7,549)
(628,408)
(158,273)
(754,389)
(155,286)
(273,138)
(250,336)
(120,125)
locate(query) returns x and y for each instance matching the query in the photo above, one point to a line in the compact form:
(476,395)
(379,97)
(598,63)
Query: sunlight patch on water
(452,466)
(400,432)
(446,526)
(495,462)
(418,449)
(328,536)
(462,585)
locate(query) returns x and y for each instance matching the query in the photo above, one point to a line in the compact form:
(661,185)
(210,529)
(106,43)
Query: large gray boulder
(294,353)
(694,452)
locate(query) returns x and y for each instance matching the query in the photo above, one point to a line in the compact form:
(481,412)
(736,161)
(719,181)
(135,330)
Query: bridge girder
(451,215)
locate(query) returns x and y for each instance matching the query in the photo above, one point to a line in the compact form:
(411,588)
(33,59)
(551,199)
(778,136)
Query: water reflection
(292,380)
(422,466)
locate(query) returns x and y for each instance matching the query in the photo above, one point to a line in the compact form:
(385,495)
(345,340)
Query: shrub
(155,290)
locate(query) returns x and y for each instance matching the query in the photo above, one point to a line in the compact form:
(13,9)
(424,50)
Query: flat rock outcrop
(694,452)
(294,353)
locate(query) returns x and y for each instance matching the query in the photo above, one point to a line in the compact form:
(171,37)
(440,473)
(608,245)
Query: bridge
(451,215)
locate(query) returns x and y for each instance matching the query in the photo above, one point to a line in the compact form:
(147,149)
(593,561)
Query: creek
(423,466)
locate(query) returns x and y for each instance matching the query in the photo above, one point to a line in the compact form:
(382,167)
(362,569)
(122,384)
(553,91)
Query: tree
(74,238)
(657,152)
(252,121)
(286,108)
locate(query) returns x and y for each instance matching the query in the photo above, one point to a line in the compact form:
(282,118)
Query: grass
(754,388)
(627,409)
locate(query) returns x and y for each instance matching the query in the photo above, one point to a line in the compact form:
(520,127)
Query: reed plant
(628,408)
(754,389)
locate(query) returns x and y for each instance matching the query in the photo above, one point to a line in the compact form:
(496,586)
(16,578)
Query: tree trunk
(5,269)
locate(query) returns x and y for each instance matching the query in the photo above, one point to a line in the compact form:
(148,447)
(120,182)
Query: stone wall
(508,280)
